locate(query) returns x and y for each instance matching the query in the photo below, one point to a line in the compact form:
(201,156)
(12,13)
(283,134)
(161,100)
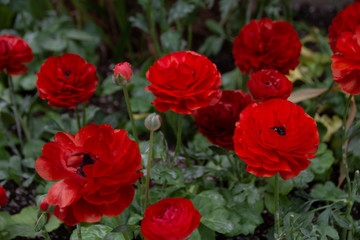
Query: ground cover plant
(196,120)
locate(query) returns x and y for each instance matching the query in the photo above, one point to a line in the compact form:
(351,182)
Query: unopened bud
(122,73)
(153,122)
(3,197)
(44,205)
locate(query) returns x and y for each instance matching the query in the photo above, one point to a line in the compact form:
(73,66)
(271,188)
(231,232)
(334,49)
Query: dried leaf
(352,113)
(306,93)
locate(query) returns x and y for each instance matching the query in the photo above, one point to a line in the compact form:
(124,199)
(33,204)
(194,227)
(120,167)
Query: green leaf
(55,44)
(323,218)
(195,235)
(285,186)
(79,35)
(114,236)
(33,148)
(246,192)
(206,201)
(180,9)
(27,81)
(326,191)
(323,161)
(206,233)
(139,21)
(218,150)
(212,45)
(341,220)
(108,86)
(172,41)
(226,6)
(126,228)
(40,222)
(223,221)
(22,224)
(327,230)
(92,232)
(303,178)
(215,27)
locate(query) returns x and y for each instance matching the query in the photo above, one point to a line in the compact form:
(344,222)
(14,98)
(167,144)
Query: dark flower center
(67,74)
(86,161)
(268,83)
(279,130)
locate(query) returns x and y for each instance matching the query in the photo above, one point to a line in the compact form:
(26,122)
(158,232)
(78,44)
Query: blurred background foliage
(231,201)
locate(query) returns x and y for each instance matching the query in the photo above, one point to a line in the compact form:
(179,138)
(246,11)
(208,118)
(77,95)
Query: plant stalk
(277,215)
(78,117)
(119,222)
(46,234)
(16,115)
(346,165)
(78,226)
(178,136)
(153,30)
(148,169)
(128,105)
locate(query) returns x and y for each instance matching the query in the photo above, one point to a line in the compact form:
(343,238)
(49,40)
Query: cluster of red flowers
(344,39)
(14,51)
(98,166)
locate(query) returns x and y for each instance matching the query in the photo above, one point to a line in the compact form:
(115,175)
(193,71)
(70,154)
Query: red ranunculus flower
(14,51)
(266,84)
(267,44)
(217,122)
(184,81)
(346,64)
(345,21)
(66,80)
(3,197)
(170,219)
(97,166)
(275,136)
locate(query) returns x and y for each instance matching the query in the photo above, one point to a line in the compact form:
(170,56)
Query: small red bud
(122,71)
(44,205)
(3,197)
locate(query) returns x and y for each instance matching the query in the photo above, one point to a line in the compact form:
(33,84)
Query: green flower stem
(127,100)
(277,215)
(77,117)
(9,139)
(78,226)
(292,236)
(178,136)
(16,115)
(46,234)
(234,168)
(148,169)
(153,30)
(346,165)
(84,114)
(119,222)
(139,186)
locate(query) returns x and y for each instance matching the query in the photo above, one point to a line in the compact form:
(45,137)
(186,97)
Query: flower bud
(153,122)
(122,73)
(44,205)
(3,197)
